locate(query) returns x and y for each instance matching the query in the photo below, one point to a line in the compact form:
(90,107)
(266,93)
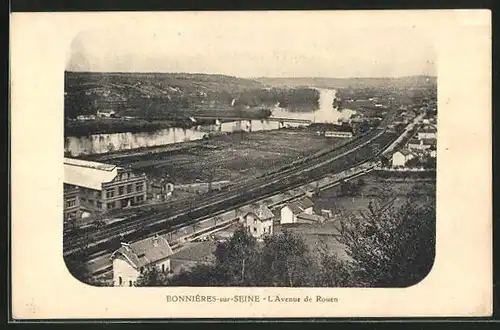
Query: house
(399,158)
(106,113)
(428,132)
(103,187)
(290,211)
(416,144)
(130,260)
(259,221)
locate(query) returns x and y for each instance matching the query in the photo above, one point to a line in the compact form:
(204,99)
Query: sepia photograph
(257,163)
(261,164)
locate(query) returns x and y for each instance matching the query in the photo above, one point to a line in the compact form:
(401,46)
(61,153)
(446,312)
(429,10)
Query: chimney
(155,240)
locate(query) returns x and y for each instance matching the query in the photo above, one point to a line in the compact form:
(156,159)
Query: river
(103,143)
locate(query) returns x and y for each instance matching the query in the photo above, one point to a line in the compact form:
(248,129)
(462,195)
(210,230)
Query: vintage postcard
(251,164)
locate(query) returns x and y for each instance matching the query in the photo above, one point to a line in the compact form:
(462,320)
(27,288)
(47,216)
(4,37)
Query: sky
(246,47)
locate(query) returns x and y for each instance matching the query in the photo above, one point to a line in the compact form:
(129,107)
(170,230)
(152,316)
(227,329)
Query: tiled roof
(262,212)
(311,217)
(300,205)
(305,203)
(88,174)
(145,252)
(295,208)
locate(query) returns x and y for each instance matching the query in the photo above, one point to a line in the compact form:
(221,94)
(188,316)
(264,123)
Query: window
(120,280)
(129,188)
(99,205)
(163,268)
(142,270)
(139,186)
(110,193)
(111,205)
(129,283)
(71,202)
(120,190)
(139,198)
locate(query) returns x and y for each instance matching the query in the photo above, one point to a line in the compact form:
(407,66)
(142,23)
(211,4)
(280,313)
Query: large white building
(130,260)
(104,187)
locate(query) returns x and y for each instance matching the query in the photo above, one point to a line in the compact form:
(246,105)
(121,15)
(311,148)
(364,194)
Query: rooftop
(88,174)
(300,205)
(405,152)
(145,252)
(429,141)
(262,212)
(311,217)
(428,129)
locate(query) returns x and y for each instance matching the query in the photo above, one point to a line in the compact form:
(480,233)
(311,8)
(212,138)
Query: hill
(348,82)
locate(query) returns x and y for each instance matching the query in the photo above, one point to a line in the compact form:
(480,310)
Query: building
(104,187)
(399,158)
(130,260)
(71,203)
(310,218)
(291,210)
(428,132)
(106,113)
(259,221)
(422,144)
(338,134)
(85,117)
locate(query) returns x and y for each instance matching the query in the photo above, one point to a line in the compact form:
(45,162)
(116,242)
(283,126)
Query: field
(231,157)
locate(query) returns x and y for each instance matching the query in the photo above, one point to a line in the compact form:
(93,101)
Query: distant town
(210,180)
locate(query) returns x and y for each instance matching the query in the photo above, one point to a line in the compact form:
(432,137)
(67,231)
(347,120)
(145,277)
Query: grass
(231,157)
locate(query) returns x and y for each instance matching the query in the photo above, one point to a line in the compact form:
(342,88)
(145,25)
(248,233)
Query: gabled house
(291,210)
(130,260)
(259,221)
(399,158)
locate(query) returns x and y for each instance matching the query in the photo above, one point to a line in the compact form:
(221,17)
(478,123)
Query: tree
(237,260)
(151,276)
(287,261)
(199,275)
(391,247)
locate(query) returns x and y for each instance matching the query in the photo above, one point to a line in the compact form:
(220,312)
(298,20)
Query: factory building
(104,187)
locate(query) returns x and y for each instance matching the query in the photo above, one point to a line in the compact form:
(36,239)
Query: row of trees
(287,97)
(385,247)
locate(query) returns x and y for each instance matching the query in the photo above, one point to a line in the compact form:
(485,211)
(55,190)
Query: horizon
(249,78)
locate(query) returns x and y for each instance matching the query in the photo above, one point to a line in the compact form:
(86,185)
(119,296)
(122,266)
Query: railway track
(184,213)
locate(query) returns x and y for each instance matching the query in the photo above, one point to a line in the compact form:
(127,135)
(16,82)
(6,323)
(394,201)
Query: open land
(230,157)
